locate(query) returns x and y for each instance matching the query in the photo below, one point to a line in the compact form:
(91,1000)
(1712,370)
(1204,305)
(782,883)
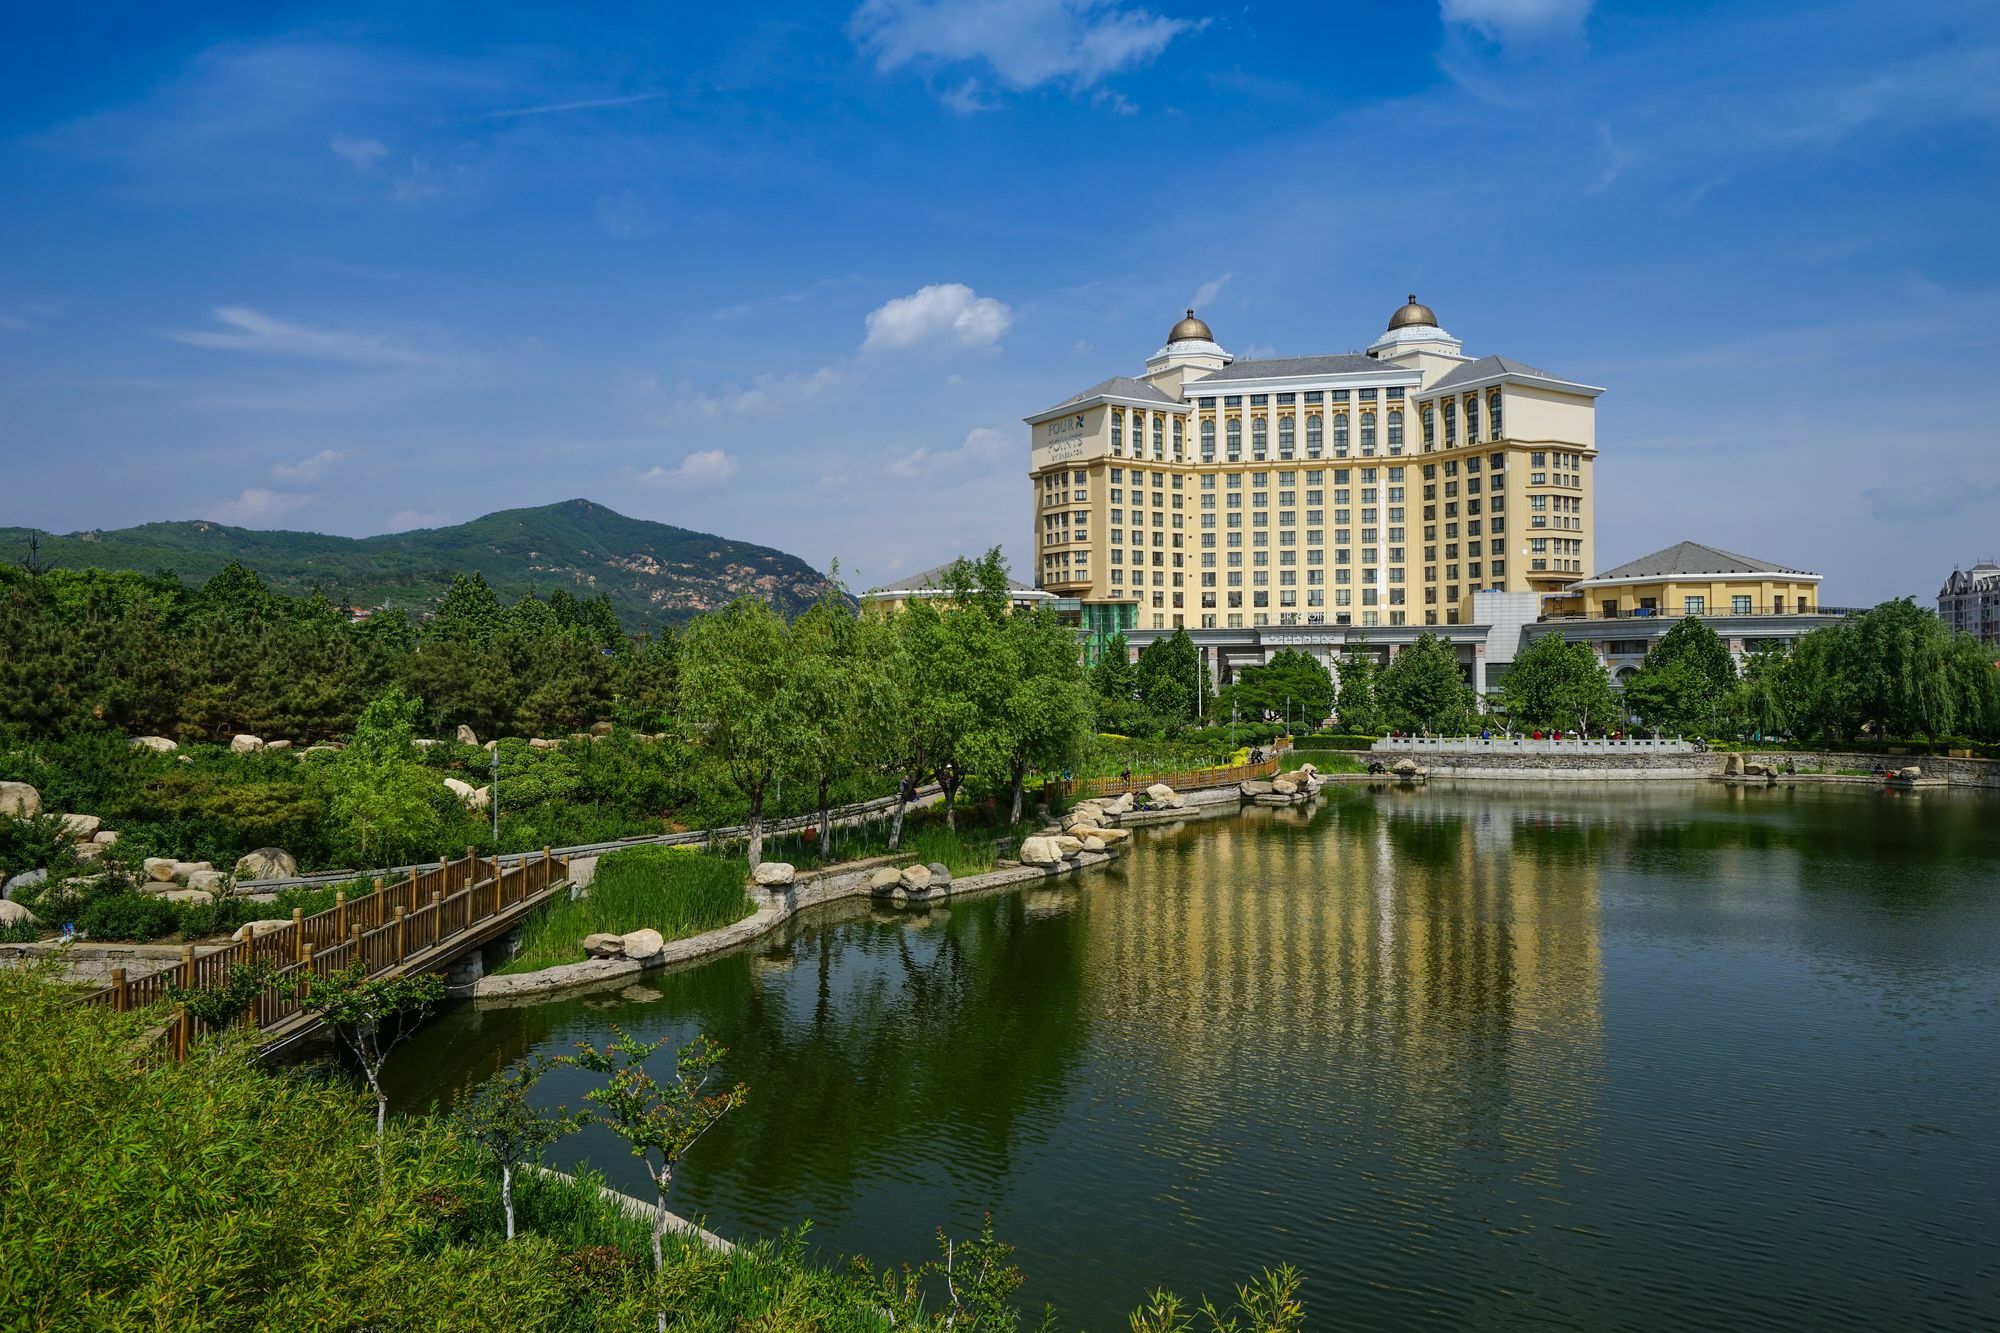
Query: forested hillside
(652,573)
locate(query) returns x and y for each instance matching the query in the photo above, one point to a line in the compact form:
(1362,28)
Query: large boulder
(1405,767)
(1111,837)
(1093,844)
(105,837)
(1733,765)
(604,945)
(1913,771)
(1254,787)
(1067,845)
(189,897)
(182,869)
(466,735)
(21,883)
(1160,791)
(209,881)
(1083,830)
(13,914)
(81,828)
(245,744)
(277,745)
(269,925)
(159,869)
(1280,787)
(1121,806)
(644,943)
(1040,851)
(543,743)
(19,800)
(916,879)
(267,863)
(600,729)
(157,744)
(87,852)
(468,795)
(885,879)
(774,874)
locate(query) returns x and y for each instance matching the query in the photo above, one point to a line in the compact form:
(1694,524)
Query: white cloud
(361,154)
(1209,290)
(247,330)
(1510,20)
(948,312)
(256,505)
(307,470)
(982,450)
(763,396)
(709,467)
(1025,43)
(405,520)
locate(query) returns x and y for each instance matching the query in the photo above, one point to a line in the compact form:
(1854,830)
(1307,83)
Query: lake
(1591,1056)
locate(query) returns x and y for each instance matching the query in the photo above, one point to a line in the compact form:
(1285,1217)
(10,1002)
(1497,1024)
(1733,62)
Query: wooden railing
(383,930)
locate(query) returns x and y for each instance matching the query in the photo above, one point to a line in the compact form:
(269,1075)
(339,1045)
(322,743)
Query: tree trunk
(756,831)
(1020,772)
(825,824)
(950,785)
(896,824)
(659,1230)
(507,1196)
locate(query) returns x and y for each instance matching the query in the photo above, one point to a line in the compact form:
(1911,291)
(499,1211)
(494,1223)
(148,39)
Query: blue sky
(793,274)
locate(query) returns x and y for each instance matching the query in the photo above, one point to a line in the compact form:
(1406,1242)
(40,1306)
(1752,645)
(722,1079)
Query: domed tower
(1413,334)
(1191,353)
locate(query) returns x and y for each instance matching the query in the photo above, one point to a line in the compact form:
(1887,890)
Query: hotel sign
(1064,438)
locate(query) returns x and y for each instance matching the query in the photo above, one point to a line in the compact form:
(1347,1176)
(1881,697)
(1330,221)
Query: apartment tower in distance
(1376,488)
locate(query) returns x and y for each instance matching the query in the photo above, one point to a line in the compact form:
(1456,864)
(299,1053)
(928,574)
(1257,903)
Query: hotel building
(1383,488)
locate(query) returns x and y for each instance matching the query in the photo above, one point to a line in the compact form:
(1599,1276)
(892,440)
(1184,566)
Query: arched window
(1313,436)
(1259,436)
(1180,438)
(1284,437)
(1396,430)
(1340,434)
(1472,419)
(1159,437)
(1430,429)
(1493,413)
(1118,434)
(1208,440)
(1367,432)
(1450,408)
(1235,433)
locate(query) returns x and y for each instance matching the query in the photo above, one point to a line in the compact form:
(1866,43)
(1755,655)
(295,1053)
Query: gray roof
(1488,366)
(1345,363)
(1118,386)
(934,578)
(1693,559)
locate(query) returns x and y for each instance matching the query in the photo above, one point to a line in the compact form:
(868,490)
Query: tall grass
(676,892)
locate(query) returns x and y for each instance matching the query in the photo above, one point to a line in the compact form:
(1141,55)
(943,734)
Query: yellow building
(1383,487)
(1690,579)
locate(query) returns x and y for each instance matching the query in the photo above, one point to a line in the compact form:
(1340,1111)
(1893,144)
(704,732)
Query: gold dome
(1413,314)
(1190,328)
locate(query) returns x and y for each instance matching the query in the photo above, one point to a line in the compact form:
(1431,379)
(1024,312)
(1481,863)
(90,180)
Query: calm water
(1576,1057)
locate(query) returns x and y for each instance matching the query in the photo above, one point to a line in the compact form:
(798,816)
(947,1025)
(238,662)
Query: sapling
(370,1018)
(501,1122)
(660,1121)
(218,1007)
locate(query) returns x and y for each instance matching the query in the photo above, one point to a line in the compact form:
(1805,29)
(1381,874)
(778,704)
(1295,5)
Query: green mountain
(653,573)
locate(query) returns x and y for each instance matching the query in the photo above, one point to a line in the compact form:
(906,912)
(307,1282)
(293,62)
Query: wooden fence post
(354,938)
(379,888)
(471,866)
(402,936)
(187,966)
(121,993)
(298,934)
(178,1039)
(340,910)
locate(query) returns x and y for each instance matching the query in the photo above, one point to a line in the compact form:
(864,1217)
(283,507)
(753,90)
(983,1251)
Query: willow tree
(738,700)
(1045,704)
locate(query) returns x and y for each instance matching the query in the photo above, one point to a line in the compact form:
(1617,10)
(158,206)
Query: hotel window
(1312,435)
(1368,433)
(1117,434)
(1694,606)
(1493,413)
(1234,432)
(1180,437)
(1739,606)
(1258,437)
(1208,440)
(1430,428)
(1284,437)
(1472,419)
(1340,434)
(1159,438)
(1396,431)
(1450,409)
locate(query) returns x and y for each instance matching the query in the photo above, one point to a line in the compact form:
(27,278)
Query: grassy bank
(674,891)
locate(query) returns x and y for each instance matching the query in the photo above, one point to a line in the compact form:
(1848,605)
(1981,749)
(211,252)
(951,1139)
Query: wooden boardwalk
(419,924)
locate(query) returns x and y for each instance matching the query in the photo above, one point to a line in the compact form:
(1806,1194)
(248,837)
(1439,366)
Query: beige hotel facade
(1382,488)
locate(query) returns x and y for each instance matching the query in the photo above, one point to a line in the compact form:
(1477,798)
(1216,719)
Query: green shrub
(138,917)
(21,932)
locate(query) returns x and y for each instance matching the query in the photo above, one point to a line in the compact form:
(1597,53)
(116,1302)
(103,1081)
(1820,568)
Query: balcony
(1712,613)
